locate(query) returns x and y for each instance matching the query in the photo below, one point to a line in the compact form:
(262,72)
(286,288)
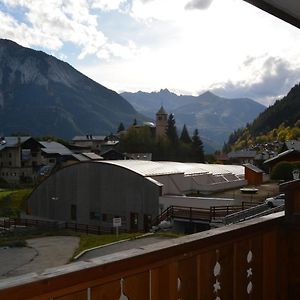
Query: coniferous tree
(134,122)
(171,131)
(121,127)
(185,137)
(197,147)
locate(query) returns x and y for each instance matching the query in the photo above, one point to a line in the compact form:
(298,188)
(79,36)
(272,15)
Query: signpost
(117,222)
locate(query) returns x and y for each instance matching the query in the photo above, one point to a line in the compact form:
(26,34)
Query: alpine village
(145,195)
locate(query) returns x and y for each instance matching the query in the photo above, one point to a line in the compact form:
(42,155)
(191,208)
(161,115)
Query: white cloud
(163,10)
(275,77)
(50,24)
(107,4)
(25,35)
(198,4)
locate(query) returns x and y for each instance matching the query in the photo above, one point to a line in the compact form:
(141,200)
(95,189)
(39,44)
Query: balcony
(257,259)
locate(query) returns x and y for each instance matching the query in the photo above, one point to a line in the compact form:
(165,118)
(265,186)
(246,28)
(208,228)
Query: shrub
(284,170)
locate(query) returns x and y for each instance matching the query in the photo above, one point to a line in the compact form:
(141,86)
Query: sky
(187,46)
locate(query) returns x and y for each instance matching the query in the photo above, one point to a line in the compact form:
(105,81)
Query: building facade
(94,193)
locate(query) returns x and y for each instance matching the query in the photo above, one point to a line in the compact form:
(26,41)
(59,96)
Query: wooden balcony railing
(257,259)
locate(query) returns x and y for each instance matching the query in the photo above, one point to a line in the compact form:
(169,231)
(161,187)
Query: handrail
(232,262)
(195,213)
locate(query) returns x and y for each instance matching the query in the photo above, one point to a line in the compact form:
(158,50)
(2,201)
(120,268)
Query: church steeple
(161,122)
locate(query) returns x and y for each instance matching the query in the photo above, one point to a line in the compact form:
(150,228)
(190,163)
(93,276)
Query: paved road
(55,251)
(131,244)
(42,253)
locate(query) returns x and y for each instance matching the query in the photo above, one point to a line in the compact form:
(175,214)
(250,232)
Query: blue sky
(187,46)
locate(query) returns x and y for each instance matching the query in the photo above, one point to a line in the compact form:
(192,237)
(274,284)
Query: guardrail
(241,261)
(212,214)
(252,212)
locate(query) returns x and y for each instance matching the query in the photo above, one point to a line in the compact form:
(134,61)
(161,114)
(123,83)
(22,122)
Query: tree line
(172,147)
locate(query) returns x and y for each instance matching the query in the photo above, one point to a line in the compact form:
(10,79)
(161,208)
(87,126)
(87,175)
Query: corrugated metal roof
(92,155)
(80,157)
(88,137)
(157,168)
(55,148)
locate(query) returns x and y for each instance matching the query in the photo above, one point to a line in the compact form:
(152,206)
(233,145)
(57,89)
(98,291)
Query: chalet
(20,158)
(89,141)
(23,159)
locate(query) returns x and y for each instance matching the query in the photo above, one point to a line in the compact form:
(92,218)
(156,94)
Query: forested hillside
(279,122)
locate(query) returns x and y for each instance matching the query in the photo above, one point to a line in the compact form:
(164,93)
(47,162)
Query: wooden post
(291,233)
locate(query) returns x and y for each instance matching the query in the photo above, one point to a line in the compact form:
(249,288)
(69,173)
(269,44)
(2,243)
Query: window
(95,215)
(134,221)
(9,155)
(9,163)
(73,212)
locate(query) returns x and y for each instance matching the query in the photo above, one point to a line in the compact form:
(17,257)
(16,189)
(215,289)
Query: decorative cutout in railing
(249,272)
(122,296)
(217,272)
(178,286)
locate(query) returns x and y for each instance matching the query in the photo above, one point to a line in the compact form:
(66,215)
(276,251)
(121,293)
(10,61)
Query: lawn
(88,241)
(12,201)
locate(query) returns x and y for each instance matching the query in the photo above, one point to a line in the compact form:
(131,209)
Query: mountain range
(41,95)
(215,117)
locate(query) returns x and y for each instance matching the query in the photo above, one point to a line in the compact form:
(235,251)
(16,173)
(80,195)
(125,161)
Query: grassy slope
(12,201)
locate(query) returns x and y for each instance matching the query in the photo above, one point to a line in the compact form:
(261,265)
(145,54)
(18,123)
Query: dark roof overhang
(286,10)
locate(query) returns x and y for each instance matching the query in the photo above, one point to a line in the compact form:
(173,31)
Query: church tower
(161,122)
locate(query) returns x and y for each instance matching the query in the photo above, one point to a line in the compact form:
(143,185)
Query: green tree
(197,147)
(282,171)
(121,127)
(185,137)
(136,140)
(171,131)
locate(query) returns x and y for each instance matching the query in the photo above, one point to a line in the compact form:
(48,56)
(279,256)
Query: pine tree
(134,122)
(121,127)
(197,147)
(171,131)
(185,137)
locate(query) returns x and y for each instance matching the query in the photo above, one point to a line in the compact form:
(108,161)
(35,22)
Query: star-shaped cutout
(217,286)
(249,272)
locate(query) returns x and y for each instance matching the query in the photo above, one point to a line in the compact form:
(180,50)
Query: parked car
(276,201)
